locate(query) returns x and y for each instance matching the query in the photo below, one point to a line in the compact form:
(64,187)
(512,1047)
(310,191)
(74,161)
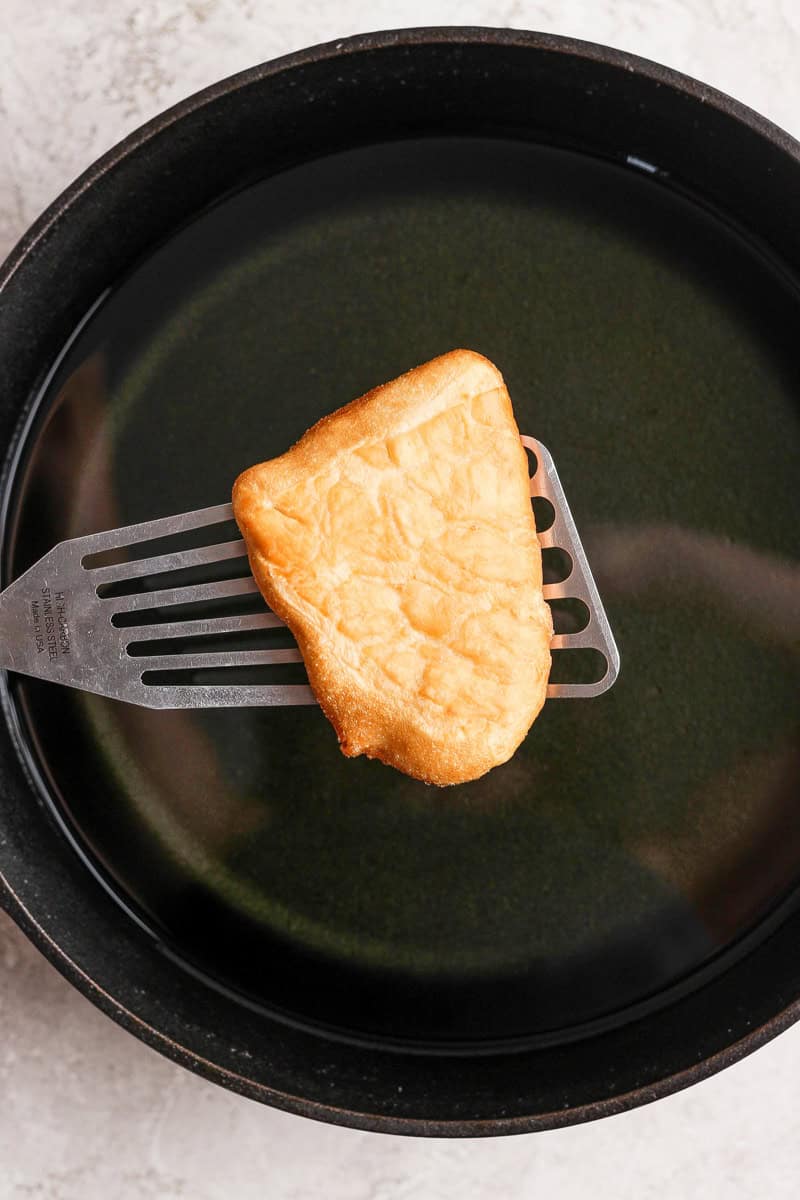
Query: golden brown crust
(396,540)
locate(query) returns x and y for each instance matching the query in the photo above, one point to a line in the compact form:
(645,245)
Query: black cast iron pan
(613,914)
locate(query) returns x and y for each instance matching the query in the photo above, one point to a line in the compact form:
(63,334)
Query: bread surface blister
(397,541)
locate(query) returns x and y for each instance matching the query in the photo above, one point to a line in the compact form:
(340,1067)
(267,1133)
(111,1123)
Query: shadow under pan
(635,841)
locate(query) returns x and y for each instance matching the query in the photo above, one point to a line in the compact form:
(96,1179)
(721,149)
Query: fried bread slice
(397,541)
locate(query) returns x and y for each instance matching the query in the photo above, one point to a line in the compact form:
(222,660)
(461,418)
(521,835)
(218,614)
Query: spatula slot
(584,665)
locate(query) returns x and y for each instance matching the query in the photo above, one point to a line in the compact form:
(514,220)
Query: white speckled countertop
(86,1110)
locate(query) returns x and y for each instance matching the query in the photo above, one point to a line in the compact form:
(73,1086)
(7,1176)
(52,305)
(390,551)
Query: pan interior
(635,841)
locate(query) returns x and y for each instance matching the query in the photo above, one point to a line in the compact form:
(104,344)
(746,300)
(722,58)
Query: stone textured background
(85,1110)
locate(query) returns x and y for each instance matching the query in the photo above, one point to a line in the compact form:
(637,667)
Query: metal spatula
(66,619)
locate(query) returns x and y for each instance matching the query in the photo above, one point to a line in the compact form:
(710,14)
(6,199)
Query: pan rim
(379,1122)
(14,903)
